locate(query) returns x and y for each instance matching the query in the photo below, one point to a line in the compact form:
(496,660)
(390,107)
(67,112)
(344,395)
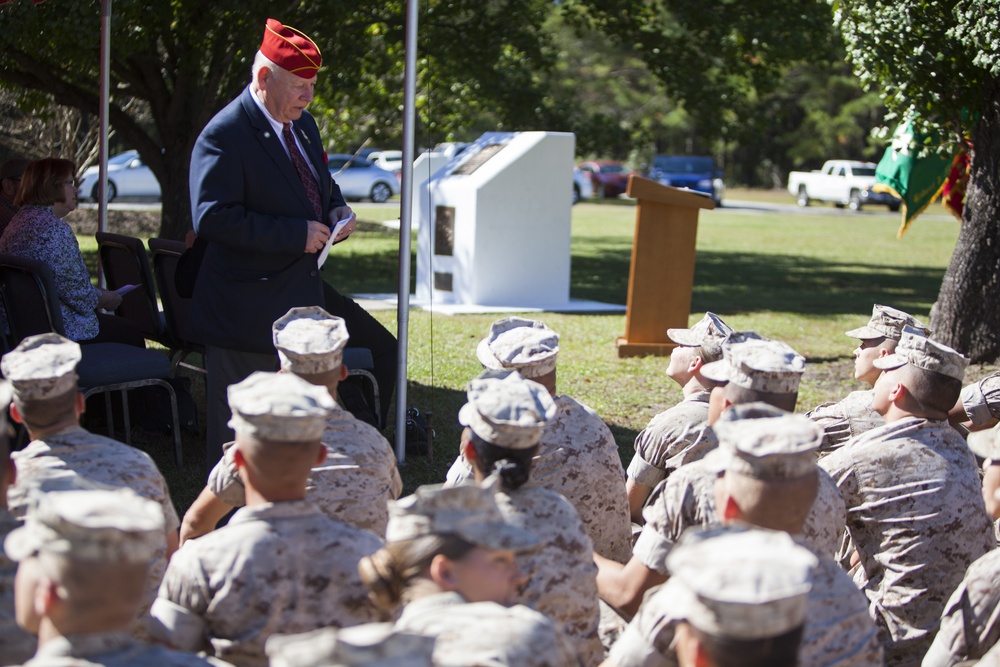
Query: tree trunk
(967,313)
(175,218)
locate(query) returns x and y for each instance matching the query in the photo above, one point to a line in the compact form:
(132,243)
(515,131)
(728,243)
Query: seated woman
(449,558)
(504,419)
(37,231)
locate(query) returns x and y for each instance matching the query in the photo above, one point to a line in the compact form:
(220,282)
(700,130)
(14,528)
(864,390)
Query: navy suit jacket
(248,202)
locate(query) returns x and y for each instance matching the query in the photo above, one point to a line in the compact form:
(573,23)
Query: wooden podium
(662,273)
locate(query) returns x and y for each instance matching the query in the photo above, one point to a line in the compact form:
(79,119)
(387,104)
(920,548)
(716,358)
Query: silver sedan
(360,179)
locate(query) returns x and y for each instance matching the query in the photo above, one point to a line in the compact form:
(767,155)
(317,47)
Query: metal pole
(405,218)
(105,91)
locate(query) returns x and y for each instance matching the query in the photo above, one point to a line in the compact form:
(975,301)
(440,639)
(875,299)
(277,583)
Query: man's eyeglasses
(72,181)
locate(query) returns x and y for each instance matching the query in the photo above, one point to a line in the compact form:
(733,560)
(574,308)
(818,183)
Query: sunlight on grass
(802,278)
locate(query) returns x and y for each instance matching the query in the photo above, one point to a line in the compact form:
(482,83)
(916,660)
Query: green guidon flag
(915,180)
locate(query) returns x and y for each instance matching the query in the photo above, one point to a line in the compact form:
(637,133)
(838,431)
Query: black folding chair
(165,254)
(31,306)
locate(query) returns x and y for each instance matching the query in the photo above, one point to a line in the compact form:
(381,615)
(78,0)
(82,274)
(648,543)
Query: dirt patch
(130,223)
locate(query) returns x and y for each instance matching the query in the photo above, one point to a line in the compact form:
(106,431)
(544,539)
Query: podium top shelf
(646,189)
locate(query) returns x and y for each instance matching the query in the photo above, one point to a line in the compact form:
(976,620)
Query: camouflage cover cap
(708,334)
(985,444)
(116,526)
(506,410)
(6,394)
(467,511)
(280,407)
(754,362)
(887,322)
(42,366)
(740,582)
(527,346)
(914,348)
(368,645)
(981,400)
(309,340)
(763,442)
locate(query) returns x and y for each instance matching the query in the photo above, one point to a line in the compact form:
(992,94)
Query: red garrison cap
(291,50)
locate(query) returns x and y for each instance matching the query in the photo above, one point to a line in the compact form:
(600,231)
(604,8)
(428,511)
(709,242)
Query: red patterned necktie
(302,169)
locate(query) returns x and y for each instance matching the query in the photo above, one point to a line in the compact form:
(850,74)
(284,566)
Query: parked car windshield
(863,171)
(676,164)
(612,168)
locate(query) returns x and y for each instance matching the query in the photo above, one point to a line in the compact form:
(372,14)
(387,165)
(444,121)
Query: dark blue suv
(695,172)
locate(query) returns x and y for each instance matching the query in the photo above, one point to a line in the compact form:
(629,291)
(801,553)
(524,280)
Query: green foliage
(930,57)
(716,57)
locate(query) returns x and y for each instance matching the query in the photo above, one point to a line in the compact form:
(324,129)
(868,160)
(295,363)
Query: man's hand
(317,236)
(340,213)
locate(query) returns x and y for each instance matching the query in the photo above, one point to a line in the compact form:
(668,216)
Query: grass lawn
(802,278)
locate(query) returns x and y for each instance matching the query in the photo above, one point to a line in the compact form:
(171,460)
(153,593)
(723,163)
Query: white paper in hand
(125,289)
(340,224)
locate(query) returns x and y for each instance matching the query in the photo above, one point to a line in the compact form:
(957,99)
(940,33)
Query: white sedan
(127,177)
(360,179)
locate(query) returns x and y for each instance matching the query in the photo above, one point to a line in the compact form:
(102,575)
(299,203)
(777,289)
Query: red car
(610,178)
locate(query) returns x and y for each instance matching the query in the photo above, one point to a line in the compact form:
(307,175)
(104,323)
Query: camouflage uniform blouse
(275,568)
(562,576)
(687,498)
(838,631)
(671,439)
(916,516)
(112,649)
(102,460)
(353,485)
(18,645)
(848,418)
(486,633)
(578,458)
(970,625)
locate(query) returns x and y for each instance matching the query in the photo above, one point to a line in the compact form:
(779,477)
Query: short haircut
(41,412)
(780,651)
(97,589)
(935,392)
(280,463)
(738,395)
(777,505)
(42,182)
(260,61)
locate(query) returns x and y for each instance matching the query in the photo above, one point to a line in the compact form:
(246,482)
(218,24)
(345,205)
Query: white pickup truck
(843,182)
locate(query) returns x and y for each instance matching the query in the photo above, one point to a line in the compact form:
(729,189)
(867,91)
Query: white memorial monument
(498,235)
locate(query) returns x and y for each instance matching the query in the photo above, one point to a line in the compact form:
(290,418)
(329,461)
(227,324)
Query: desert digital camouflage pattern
(486,633)
(673,438)
(275,568)
(562,576)
(687,499)
(18,645)
(838,631)
(916,516)
(578,459)
(969,625)
(101,460)
(112,649)
(353,485)
(981,400)
(846,419)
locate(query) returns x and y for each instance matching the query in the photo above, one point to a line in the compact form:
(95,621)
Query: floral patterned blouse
(36,233)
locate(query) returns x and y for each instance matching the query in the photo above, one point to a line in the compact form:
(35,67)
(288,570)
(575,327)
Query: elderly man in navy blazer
(264,200)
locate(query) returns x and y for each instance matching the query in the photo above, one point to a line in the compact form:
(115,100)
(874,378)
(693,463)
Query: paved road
(729,206)
(764,208)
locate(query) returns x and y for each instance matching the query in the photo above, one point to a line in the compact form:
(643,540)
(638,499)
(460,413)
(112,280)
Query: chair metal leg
(110,414)
(127,418)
